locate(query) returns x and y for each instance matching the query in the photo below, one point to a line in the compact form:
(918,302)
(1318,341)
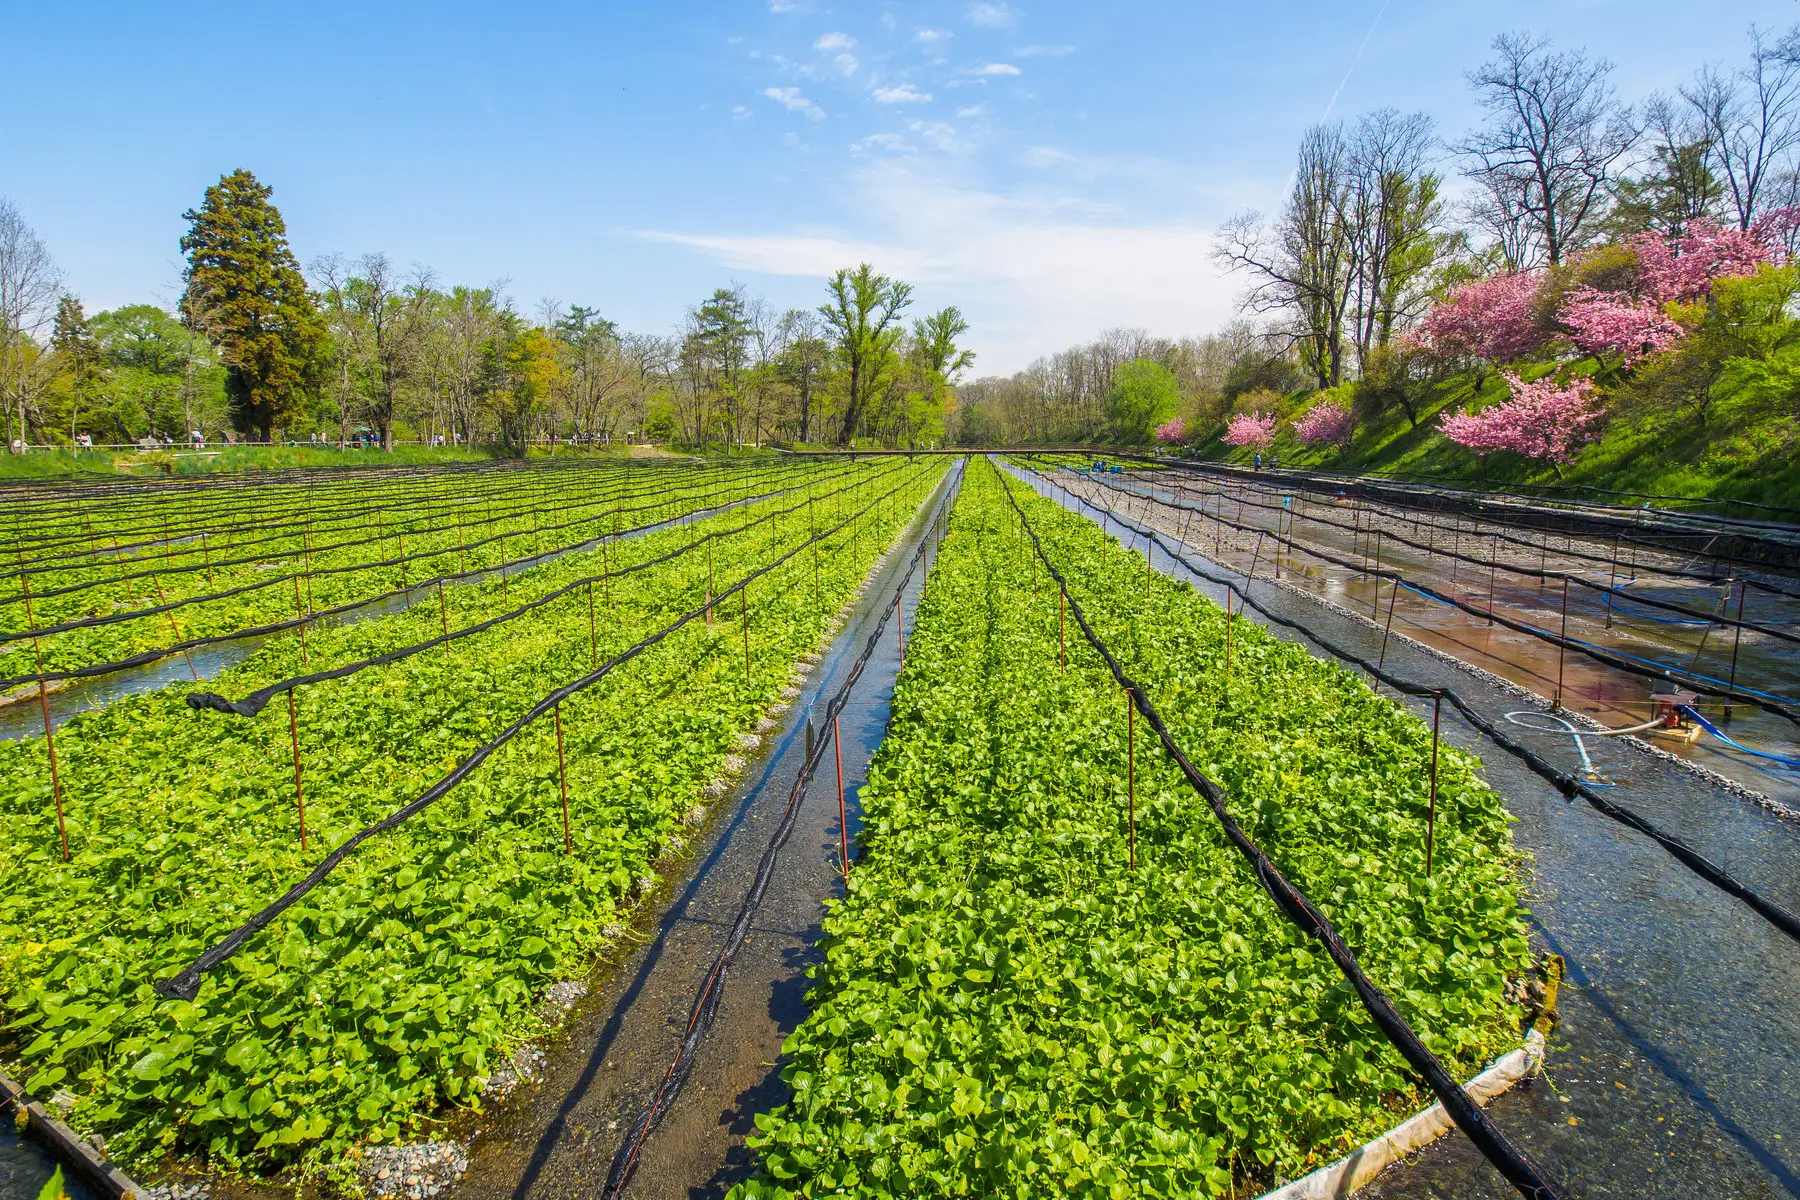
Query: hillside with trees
(1609,299)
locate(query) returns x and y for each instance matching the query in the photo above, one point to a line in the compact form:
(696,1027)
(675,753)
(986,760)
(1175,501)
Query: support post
(1562,649)
(294,741)
(594,627)
(837,748)
(562,782)
(1437,709)
(1131,775)
(37,650)
(1062,627)
(1381,661)
(1737,636)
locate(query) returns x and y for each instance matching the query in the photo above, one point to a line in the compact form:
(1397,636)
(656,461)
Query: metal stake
(562,779)
(1437,708)
(294,740)
(837,748)
(1131,773)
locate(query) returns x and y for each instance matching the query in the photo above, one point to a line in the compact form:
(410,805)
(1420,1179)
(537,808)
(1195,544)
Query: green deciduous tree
(1144,393)
(864,312)
(245,289)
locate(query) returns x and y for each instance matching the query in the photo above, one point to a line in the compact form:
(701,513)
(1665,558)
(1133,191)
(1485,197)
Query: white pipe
(1361,1166)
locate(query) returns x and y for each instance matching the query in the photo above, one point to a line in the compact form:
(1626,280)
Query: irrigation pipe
(706,1002)
(185,984)
(1508,1159)
(1569,785)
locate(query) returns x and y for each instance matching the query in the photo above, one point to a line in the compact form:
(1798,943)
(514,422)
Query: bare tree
(1303,267)
(1751,119)
(29,287)
(1545,159)
(1393,219)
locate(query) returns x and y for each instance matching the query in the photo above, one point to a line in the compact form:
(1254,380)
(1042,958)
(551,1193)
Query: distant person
(1256,461)
(197,438)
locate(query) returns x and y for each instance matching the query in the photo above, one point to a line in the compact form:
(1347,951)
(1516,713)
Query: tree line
(362,350)
(1559,180)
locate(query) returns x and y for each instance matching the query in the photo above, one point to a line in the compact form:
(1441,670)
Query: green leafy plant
(1009,1007)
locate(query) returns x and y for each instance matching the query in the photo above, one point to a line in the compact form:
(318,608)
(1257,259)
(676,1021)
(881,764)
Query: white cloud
(1044,51)
(845,65)
(882,141)
(974,110)
(940,135)
(739,112)
(783,6)
(996,69)
(834,41)
(1044,157)
(1034,272)
(929,36)
(906,93)
(993,15)
(791,99)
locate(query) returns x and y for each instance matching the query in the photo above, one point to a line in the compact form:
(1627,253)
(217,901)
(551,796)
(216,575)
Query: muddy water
(557,1137)
(1673,1071)
(1615,698)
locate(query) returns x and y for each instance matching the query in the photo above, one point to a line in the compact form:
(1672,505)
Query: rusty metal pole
(1562,646)
(1437,708)
(594,628)
(1131,774)
(562,780)
(1612,581)
(443,616)
(37,650)
(1737,636)
(1375,592)
(1392,597)
(300,611)
(837,748)
(294,741)
(1493,567)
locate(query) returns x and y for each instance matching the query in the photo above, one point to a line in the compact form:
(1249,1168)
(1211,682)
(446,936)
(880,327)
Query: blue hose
(1716,732)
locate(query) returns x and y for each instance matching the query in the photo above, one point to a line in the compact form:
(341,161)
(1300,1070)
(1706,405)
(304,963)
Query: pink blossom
(1250,429)
(1683,268)
(1541,420)
(1609,323)
(1491,319)
(1174,433)
(1325,424)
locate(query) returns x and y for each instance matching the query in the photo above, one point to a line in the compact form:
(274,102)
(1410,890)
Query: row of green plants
(387,996)
(331,559)
(1010,1005)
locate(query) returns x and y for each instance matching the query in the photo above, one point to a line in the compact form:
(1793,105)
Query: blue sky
(1054,168)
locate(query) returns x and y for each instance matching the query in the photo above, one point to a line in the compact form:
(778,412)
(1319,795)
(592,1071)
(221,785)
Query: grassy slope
(1743,453)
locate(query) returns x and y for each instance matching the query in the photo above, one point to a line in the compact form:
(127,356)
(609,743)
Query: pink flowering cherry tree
(1173,432)
(1622,327)
(1492,319)
(1684,268)
(1250,429)
(1328,423)
(1546,421)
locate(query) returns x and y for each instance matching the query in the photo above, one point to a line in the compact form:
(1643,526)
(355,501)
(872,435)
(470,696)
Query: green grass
(1743,453)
